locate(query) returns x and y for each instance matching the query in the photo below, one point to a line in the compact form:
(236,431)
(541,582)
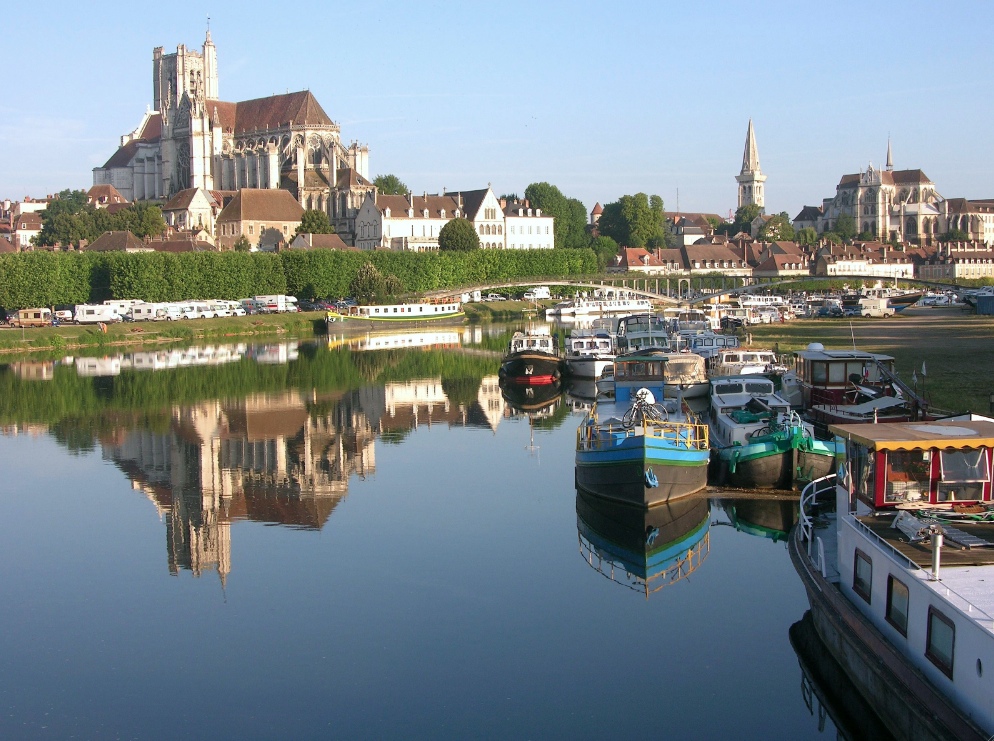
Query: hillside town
(244,175)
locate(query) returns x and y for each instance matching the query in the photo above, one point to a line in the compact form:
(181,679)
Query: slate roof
(116,242)
(890,177)
(810,213)
(255,204)
(300,109)
(398,205)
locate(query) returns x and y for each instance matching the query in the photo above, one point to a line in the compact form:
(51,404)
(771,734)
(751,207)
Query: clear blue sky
(599,99)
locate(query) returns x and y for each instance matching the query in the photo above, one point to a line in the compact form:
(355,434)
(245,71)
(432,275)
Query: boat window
(836,372)
(964,473)
(909,476)
(759,388)
(819,372)
(897,604)
(941,641)
(731,388)
(862,466)
(862,578)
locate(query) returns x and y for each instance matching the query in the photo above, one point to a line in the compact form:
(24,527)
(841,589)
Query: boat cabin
(744,362)
(531,342)
(581,345)
(919,463)
(824,376)
(641,331)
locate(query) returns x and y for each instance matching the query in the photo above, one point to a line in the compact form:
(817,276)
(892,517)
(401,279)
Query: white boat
(747,362)
(641,332)
(589,353)
(898,572)
(443,310)
(603,301)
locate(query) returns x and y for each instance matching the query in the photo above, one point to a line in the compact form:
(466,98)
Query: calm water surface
(302,542)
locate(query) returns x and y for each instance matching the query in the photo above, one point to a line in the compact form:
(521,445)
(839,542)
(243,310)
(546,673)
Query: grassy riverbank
(956,348)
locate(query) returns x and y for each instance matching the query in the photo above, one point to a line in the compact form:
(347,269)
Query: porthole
(980,668)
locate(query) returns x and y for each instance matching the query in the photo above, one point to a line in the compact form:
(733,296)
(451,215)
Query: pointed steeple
(751,178)
(890,157)
(750,157)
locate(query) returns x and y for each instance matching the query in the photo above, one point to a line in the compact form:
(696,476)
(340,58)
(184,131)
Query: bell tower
(751,179)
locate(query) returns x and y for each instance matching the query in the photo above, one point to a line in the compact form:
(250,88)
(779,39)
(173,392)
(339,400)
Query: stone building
(192,139)
(267,218)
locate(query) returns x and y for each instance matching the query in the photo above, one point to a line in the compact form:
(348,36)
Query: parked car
(852,311)
(495,297)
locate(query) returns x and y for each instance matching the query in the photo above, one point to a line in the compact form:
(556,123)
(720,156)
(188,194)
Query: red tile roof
(253,204)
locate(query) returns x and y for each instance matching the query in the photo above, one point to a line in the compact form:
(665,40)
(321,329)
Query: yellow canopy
(920,435)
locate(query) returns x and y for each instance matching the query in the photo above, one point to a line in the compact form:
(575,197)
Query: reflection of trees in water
(394,437)
(463,391)
(76,436)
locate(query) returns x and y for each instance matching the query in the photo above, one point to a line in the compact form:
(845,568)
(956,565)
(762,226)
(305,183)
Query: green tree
(458,235)
(832,237)
(509,197)
(807,235)
(242,244)
(744,216)
(143,219)
(605,248)
(845,226)
(635,221)
(778,229)
(367,284)
(388,185)
(314,221)
(570,214)
(955,235)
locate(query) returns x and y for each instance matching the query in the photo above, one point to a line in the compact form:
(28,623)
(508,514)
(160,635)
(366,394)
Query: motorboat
(758,442)
(896,554)
(642,332)
(665,373)
(532,358)
(742,362)
(603,301)
(648,454)
(589,353)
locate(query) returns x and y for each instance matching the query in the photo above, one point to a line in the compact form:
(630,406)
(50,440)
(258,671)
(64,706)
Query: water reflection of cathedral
(275,458)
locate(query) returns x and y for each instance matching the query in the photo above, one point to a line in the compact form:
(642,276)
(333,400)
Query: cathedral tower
(751,178)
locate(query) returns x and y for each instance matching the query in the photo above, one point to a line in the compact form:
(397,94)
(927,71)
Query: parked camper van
(142,312)
(876,307)
(96,313)
(537,294)
(31,318)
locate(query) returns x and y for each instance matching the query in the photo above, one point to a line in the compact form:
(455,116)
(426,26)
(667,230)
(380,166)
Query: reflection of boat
(763,518)
(664,373)
(826,690)
(644,549)
(400,340)
(531,358)
(902,601)
(531,399)
(758,442)
(443,310)
(641,458)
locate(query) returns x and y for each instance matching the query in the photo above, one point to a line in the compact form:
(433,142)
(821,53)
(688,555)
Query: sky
(599,99)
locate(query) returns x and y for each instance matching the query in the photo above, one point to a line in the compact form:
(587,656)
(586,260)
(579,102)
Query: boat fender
(651,482)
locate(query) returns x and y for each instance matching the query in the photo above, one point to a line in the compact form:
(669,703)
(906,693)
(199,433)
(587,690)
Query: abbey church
(193,140)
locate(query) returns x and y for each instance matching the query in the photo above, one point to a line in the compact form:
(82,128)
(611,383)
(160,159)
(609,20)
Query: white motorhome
(277,303)
(121,306)
(143,313)
(538,293)
(876,307)
(95,314)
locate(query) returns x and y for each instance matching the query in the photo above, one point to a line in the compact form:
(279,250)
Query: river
(300,541)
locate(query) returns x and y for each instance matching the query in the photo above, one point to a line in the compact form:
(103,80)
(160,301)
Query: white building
(525,228)
(413,222)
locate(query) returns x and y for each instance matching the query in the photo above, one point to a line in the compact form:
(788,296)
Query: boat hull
(774,464)
(642,471)
(588,367)
(905,701)
(531,368)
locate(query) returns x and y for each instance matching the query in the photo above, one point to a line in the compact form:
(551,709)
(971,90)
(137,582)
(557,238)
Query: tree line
(30,279)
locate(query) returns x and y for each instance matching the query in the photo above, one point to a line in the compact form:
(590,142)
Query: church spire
(890,157)
(751,179)
(750,157)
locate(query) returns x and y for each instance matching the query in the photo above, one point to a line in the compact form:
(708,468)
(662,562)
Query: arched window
(481,230)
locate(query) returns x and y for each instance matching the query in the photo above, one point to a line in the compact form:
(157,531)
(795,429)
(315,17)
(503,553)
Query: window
(251,229)
(909,477)
(964,473)
(862,578)
(941,641)
(897,604)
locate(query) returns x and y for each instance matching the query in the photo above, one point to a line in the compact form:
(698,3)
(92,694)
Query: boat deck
(953,553)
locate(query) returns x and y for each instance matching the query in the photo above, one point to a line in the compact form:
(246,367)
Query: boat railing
(591,436)
(809,496)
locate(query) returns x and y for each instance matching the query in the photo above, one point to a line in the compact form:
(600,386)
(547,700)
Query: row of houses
(745,258)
